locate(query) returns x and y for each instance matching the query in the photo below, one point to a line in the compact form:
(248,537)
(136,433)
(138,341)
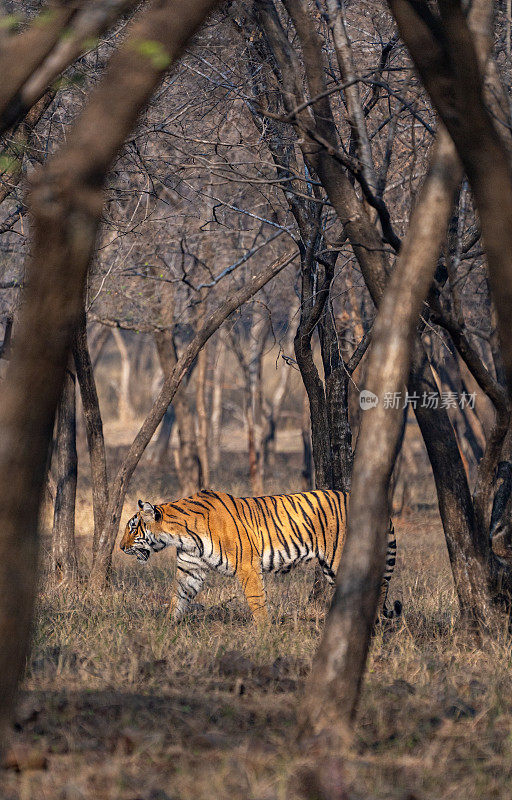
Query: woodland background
(282,145)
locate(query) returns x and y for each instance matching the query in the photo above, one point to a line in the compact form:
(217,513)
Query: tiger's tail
(396,610)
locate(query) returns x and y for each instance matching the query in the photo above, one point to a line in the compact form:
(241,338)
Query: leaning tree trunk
(66,204)
(469,444)
(341,658)
(64,557)
(167,393)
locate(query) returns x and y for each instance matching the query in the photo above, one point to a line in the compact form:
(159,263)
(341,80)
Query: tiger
(247,537)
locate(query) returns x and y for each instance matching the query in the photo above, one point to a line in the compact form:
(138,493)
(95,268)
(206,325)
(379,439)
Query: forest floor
(120,704)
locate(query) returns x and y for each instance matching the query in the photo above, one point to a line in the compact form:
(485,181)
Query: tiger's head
(142,533)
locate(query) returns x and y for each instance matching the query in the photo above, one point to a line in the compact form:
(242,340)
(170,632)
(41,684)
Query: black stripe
(306,498)
(238,533)
(265,525)
(281,535)
(289,529)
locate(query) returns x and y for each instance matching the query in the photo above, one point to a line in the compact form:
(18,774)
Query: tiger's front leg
(190,576)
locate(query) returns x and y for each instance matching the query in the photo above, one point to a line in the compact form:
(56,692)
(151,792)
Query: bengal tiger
(246,537)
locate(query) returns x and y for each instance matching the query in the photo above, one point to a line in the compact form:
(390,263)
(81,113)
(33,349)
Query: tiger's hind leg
(251,581)
(190,576)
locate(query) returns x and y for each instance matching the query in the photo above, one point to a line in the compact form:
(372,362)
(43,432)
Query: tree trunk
(469,444)
(275,405)
(66,204)
(340,660)
(125,411)
(258,338)
(451,63)
(307,450)
(64,557)
(94,429)
(311,309)
(164,436)
(5,347)
(336,396)
(455,502)
(250,360)
(202,416)
(43,50)
(189,465)
(216,415)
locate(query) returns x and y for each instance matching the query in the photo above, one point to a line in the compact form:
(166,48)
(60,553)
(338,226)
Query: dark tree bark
(455,501)
(449,65)
(64,556)
(311,309)
(336,399)
(451,379)
(307,450)
(5,347)
(21,55)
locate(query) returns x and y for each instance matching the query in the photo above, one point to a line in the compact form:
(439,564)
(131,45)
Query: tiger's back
(289,529)
(246,537)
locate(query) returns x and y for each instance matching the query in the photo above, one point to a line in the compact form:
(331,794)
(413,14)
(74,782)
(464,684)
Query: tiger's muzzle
(141,553)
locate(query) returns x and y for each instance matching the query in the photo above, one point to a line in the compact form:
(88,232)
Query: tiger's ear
(149,513)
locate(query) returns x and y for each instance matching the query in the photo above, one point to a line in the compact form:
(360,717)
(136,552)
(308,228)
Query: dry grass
(129,707)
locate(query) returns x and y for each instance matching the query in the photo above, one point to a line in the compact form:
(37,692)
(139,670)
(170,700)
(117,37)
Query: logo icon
(368,399)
